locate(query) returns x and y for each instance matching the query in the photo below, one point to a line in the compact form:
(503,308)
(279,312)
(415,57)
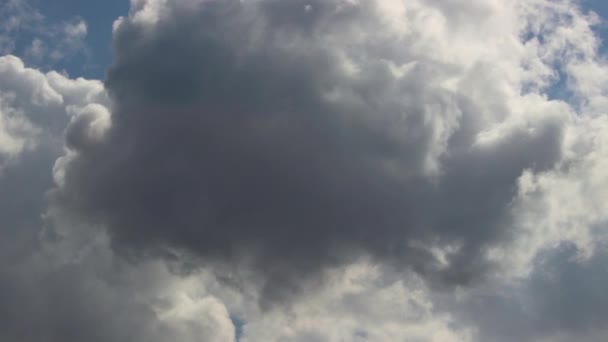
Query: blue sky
(601,8)
(44,20)
(99,16)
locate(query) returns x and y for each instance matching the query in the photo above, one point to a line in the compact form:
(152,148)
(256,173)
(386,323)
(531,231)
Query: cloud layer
(311,171)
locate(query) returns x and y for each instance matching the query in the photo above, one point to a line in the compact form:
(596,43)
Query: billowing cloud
(59,281)
(34,110)
(333,170)
(295,136)
(35,107)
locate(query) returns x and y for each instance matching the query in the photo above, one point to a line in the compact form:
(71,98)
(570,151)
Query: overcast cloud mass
(306,170)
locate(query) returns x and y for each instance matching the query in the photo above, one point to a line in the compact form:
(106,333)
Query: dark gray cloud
(279,135)
(561,300)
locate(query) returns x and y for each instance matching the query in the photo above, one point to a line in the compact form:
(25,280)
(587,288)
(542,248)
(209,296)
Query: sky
(99,16)
(597,6)
(95,54)
(305,170)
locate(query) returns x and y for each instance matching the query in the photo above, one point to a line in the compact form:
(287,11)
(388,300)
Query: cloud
(35,107)
(290,137)
(359,303)
(560,300)
(34,110)
(364,170)
(71,290)
(59,281)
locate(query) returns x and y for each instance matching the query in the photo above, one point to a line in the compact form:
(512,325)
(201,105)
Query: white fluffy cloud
(35,107)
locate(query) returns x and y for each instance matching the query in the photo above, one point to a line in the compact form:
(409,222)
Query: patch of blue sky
(239,324)
(37,32)
(601,8)
(559,88)
(99,16)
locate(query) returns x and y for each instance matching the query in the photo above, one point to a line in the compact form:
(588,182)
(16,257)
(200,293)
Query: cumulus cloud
(360,303)
(59,281)
(34,110)
(74,290)
(35,107)
(291,137)
(310,171)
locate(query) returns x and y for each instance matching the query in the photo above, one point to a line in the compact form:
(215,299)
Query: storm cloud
(339,170)
(292,136)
